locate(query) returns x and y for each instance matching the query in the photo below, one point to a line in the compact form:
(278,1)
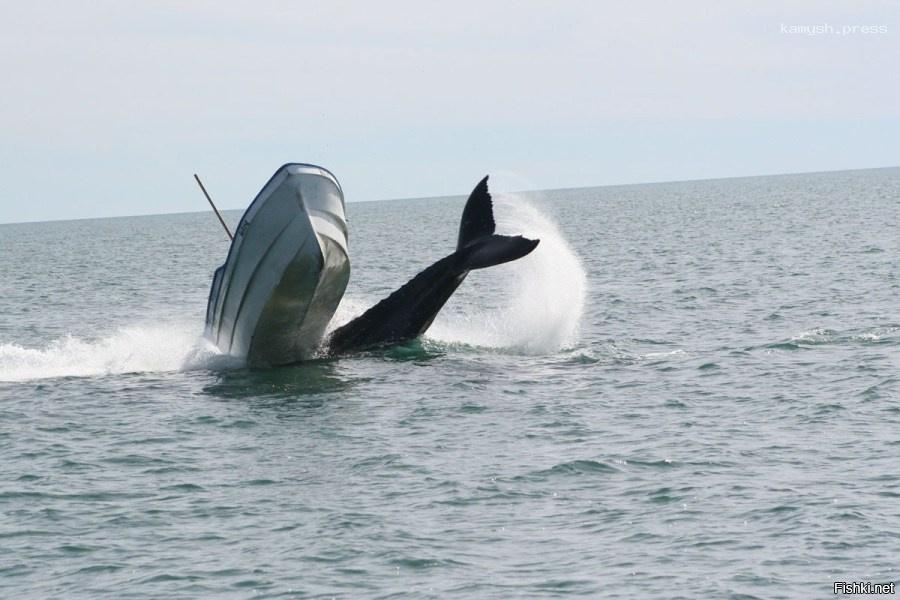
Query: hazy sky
(108,107)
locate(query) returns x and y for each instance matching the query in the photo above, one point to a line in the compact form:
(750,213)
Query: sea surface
(689,390)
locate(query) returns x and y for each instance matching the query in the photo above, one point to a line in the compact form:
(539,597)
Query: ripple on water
(652,464)
(183,487)
(569,469)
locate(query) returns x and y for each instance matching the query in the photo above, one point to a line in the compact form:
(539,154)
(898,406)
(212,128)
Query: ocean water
(689,390)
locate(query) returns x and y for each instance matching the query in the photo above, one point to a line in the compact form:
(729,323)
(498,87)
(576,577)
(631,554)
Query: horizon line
(408,198)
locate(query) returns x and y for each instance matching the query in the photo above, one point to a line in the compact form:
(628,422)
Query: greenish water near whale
(688,390)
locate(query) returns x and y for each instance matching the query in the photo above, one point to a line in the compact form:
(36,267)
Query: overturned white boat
(286,270)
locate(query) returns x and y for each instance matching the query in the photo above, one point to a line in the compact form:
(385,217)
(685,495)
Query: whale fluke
(408,312)
(478,215)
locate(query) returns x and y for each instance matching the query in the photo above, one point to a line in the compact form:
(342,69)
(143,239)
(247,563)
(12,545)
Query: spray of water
(538,299)
(150,348)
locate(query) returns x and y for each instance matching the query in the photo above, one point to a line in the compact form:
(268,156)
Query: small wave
(135,349)
(571,468)
(662,355)
(664,463)
(884,334)
(582,357)
(814,337)
(582,467)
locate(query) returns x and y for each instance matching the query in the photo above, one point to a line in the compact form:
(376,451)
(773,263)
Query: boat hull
(286,270)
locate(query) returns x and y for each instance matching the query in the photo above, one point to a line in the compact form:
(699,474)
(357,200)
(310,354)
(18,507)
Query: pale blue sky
(108,107)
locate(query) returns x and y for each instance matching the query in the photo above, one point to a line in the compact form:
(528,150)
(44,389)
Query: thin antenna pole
(221,220)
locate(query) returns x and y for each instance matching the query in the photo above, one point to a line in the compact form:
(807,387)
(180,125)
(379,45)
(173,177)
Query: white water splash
(541,296)
(137,349)
(347,310)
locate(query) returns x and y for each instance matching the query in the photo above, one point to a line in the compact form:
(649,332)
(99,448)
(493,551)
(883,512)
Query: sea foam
(133,349)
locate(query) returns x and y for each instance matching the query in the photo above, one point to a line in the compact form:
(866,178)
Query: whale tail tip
(478,245)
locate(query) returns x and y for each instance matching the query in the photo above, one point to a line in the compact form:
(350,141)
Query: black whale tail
(478,246)
(410,310)
(494,250)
